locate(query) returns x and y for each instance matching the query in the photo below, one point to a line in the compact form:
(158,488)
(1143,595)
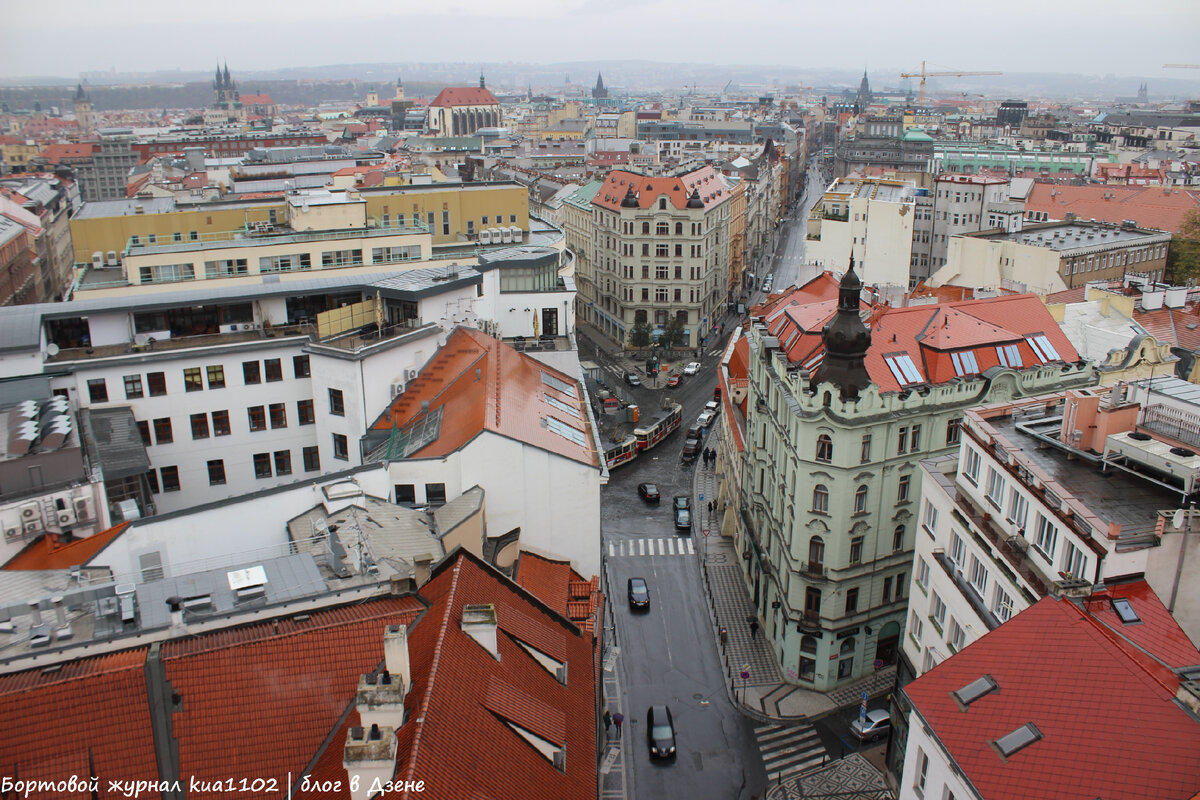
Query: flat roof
(1063,236)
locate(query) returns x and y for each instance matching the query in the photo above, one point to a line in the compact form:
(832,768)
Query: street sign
(862,709)
(702,495)
(745,675)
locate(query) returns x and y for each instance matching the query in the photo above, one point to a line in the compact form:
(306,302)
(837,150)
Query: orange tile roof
(1148,206)
(256,100)
(55,153)
(467,96)
(706,180)
(89,717)
(48,553)
(928,334)
(482,384)
(561,588)
(1171,325)
(1081,678)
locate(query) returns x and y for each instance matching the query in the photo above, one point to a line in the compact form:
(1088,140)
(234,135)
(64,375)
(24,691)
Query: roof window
(975,690)
(965,363)
(566,431)
(1022,737)
(559,384)
(903,369)
(1009,355)
(1124,609)
(1042,347)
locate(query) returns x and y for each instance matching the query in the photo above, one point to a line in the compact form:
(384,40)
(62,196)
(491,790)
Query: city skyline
(1068,37)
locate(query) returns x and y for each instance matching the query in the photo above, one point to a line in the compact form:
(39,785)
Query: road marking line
(641,547)
(612,551)
(662,547)
(671,546)
(691,548)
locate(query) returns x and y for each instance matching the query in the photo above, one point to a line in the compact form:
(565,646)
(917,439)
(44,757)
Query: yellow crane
(923,74)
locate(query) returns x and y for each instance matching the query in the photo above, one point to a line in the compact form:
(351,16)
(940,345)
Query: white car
(692,368)
(713,406)
(705,419)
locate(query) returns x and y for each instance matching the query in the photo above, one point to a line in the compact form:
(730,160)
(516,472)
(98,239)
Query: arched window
(645,227)
(808,644)
(820,499)
(860,500)
(898,539)
(816,553)
(824,448)
(847,646)
(679,229)
(662,204)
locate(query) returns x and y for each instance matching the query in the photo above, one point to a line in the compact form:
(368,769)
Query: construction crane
(1181,66)
(923,74)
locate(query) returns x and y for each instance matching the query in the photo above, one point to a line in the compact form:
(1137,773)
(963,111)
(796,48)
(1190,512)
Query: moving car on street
(639,594)
(674,381)
(648,492)
(660,732)
(692,368)
(632,379)
(682,508)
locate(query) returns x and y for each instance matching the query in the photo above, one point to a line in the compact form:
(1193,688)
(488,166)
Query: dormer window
(1042,348)
(965,363)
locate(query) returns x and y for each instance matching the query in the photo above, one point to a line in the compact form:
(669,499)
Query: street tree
(1183,256)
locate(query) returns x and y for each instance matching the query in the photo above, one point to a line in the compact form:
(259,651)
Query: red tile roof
(458,738)
(706,180)
(260,699)
(929,334)
(48,553)
(1085,687)
(482,384)
(1148,206)
(256,100)
(1171,324)
(561,588)
(56,153)
(468,96)
(89,717)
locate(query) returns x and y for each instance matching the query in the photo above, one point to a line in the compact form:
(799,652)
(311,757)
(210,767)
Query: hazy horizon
(1068,36)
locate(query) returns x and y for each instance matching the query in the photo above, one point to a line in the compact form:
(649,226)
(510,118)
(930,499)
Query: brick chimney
(421,565)
(380,700)
(370,757)
(479,622)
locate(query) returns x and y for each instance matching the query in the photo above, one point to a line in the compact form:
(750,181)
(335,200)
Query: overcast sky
(66,37)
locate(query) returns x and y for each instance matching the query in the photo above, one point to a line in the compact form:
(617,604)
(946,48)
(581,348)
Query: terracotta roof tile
(706,180)
(481,384)
(95,708)
(465,96)
(1071,676)
(47,553)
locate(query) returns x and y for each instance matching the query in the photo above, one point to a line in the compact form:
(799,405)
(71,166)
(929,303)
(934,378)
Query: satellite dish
(1177,521)
(52,349)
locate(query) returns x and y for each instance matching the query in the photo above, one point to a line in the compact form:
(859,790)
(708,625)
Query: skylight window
(1042,347)
(1009,354)
(566,431)
(1022,737)
(903,369)
(1124,609)
(965,363)
(561,406)
(555,383)
(975,690)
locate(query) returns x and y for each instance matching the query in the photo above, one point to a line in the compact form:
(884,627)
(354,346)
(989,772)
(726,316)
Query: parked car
(682,501)
(705,419)
(876,726)
(713,406)
(674,381)
(660,732)
(632,379)
(683,519)
(639,594)
(649,492)
(692,368)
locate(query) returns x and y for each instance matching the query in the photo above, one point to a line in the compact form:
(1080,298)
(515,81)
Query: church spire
(482,84)
(847,339)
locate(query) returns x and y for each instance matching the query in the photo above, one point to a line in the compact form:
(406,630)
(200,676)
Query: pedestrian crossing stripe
(667,546)
(789,749)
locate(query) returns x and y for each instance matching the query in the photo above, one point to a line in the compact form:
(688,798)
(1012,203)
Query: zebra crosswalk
(789,749)
(636,548)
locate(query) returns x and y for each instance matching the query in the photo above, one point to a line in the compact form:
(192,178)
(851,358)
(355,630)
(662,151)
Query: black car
(660,732)
(649,492)
(639,594)
(683,520)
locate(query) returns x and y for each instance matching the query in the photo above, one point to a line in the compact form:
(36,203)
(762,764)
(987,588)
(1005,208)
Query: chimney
(479,622)
(62,630)
(175,604)
(35,612)
(421,568)
(380,700)
(395,655)
(369,758)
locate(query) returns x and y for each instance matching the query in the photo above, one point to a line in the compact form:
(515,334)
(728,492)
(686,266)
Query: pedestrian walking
(753,631)
(618,718)
(607,721)
(724,636)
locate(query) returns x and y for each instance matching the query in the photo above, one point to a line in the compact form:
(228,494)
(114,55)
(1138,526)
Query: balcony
(1004,545)
(967,591)
(810,622)
(814,571)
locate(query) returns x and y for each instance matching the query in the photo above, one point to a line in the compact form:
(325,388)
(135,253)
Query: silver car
(876,726)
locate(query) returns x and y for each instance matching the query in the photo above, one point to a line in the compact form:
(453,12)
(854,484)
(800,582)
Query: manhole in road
(697,696)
